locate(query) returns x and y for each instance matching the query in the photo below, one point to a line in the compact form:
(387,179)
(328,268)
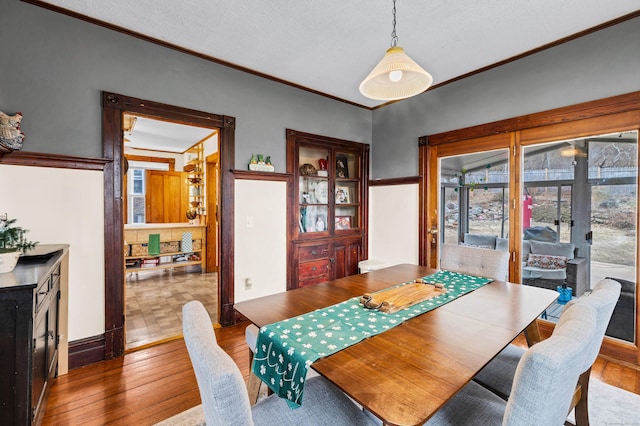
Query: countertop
(33,266)
(160,225)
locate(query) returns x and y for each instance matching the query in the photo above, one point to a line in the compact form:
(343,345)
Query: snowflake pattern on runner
(286,349)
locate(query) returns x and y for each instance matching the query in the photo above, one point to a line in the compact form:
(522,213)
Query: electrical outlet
(248,285)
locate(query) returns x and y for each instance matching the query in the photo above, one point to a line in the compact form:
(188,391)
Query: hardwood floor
(152,384)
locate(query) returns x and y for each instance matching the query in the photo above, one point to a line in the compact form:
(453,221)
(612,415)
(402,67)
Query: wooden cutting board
(395,299)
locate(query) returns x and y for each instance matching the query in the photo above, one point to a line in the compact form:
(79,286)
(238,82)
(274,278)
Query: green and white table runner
(286,349)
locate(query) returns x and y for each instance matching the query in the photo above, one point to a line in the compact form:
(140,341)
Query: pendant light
(396,76)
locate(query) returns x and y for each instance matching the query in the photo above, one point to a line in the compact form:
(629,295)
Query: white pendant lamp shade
(396,76)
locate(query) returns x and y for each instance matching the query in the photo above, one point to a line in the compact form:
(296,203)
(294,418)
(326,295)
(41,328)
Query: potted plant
(12,243)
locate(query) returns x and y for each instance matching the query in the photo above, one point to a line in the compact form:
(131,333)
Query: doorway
(165,186)
(113,106)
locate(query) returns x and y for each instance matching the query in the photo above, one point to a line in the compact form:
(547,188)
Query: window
(137,181)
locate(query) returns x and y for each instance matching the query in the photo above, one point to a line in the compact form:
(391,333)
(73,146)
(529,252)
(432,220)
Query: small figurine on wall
(258,163)
(11,137)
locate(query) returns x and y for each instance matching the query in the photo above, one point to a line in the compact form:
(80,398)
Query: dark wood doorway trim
(113,107)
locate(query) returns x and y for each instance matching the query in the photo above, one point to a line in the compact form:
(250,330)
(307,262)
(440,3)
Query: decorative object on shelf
(154,244)
(12,243)
(195,204)
(342,166)
(187,242)
(308,170)
(258,163)
(342,195)
(321,192)
(313,219)
(191,215)
(194,180)
(396,76)
(343,222)
(322,171)
(11,137)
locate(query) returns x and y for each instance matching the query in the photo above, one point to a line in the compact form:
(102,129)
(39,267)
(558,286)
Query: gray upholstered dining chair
(543,383)
(253,385)
(225,400)
(475,261)
(499,373)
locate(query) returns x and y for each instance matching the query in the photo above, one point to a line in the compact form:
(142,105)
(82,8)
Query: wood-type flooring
(153,384)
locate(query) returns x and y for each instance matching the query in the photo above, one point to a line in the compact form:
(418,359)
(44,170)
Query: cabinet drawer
(314,269)
(313,281)
(313,252)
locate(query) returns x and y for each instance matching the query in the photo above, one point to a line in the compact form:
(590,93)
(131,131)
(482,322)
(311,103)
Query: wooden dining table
(404,375)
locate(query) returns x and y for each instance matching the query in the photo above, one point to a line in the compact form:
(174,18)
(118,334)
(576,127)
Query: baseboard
(86,351)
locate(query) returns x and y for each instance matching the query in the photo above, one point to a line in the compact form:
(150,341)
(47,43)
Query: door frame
(113,107)
(212,166)
(609,115)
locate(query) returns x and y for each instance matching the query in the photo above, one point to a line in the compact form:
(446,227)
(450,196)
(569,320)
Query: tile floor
(154,302)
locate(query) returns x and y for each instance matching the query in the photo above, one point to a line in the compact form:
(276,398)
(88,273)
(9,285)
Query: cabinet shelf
(195,170)
(165,266)
(171,238)
(154,256)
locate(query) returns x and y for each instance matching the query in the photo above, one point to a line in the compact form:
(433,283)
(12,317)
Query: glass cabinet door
(347,191)
(313,190)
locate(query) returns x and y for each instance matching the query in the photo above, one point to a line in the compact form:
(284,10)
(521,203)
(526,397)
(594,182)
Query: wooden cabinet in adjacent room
(167,196)
(327,207)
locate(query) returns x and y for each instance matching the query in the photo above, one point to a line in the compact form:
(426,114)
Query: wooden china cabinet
(327,207)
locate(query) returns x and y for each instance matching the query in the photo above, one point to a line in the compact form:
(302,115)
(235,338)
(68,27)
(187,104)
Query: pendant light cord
(394,36)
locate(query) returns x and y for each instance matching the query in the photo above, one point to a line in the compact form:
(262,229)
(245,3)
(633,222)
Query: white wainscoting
(393,224)
(64,206)
(260,238)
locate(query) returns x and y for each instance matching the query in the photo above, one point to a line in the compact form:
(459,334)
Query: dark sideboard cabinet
(30,334)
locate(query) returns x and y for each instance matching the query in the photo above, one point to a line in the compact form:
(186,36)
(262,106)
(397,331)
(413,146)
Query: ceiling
(157,135)
(329,46)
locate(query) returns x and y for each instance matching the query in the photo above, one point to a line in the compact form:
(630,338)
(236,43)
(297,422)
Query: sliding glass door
(575,201)
(475,199)
(580,213)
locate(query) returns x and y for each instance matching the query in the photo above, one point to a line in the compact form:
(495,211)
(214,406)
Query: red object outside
(527,212)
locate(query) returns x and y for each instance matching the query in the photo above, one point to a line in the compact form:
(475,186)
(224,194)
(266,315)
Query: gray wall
(600,65)
(53,68)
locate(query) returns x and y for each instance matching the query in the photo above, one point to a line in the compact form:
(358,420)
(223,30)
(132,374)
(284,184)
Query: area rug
(608,406)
